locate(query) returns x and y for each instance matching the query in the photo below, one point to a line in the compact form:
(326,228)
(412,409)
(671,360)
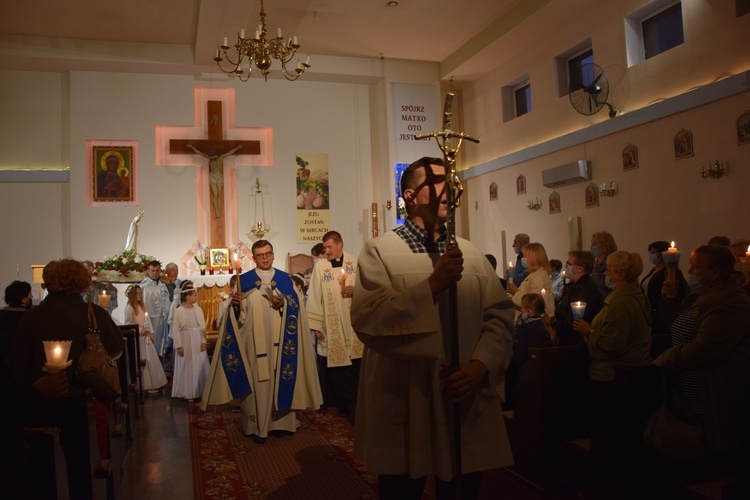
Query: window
(516,98)
(575,64)
(567,66)
(653,30)
(662,31)
(522,99)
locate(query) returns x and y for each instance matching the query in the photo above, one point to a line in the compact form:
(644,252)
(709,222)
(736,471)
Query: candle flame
(673,244)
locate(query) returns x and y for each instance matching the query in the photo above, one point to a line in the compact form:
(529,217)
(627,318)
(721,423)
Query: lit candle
(544,293)
(671,259)
(747,255)
(104,299)
(511,270)
(579,308)
(56,352)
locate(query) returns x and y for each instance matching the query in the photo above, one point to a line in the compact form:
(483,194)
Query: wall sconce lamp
(608,191)
(717,171)
(535,204)
(388,205)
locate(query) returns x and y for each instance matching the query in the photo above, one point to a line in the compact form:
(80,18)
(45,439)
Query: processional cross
(215,149)
(450,147)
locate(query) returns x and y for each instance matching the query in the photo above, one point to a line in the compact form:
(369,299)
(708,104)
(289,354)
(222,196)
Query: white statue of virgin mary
(132,242)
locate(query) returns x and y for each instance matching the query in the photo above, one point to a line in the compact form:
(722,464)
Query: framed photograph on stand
(219,258)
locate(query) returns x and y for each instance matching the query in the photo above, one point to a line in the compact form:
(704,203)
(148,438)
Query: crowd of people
(410,340)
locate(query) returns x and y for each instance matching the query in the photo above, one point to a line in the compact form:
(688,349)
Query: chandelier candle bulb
(294,40)
(226,42)
(242,33)
(307,60)
(279,32)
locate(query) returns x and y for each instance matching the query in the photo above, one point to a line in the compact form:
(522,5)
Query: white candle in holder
(56,352)
(579,308)
(104,300)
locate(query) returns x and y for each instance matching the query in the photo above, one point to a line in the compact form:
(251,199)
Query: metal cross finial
(445,141)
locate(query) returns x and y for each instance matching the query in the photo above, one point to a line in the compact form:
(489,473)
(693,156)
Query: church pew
(50,477)
(75,418)
(553,407)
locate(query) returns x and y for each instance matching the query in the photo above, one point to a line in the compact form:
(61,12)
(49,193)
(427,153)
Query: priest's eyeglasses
(264,255)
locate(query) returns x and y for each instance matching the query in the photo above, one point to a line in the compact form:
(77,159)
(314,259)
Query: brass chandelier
(261,52)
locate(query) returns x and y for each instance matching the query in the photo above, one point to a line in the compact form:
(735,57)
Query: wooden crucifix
(215,149)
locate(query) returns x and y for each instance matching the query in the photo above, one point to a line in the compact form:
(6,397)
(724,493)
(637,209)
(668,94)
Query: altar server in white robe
(189,335)
(329,302)
(156,299)
(407,391)
(265,355)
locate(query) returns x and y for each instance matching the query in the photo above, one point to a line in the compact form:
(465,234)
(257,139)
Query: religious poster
(112,171)
(313,220)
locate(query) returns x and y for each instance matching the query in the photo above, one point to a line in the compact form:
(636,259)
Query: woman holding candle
(191,364)
(621,332)
(537,281)
(619,335)
(651,285)
(581,288)
(63,315)
(153,376)
(709,362)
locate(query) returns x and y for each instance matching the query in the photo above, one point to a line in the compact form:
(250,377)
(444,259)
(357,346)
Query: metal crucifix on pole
(450,143)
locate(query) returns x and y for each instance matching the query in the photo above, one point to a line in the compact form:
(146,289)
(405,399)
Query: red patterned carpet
(315,463)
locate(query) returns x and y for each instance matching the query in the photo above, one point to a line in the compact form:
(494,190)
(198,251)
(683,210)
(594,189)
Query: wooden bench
(553,407)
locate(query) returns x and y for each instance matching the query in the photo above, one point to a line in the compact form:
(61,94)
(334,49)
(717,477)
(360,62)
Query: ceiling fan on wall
(588,94)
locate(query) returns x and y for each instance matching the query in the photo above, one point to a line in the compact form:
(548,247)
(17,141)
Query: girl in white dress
(153,375)
(191,364)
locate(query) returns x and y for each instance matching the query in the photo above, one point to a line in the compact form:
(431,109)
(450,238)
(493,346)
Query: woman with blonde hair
(538,281)
(602,246)
(153,376)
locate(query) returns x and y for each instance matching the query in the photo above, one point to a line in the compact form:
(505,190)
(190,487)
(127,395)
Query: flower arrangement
(200,254)
(126,264)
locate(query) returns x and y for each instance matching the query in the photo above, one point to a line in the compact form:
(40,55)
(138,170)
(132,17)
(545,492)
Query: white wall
(54,219)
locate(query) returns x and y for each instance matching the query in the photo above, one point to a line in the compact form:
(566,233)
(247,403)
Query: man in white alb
(409,390)
(329,302)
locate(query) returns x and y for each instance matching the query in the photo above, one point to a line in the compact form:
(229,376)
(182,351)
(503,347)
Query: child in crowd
(189,334)
(153,376)
(533,329)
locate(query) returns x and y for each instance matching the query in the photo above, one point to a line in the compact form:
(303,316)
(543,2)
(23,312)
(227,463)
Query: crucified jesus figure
(216,173)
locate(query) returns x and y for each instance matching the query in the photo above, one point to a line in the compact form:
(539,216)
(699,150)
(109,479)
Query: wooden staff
(445,141)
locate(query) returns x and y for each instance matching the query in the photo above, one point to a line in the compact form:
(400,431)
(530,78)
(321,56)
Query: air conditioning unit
(563,175)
